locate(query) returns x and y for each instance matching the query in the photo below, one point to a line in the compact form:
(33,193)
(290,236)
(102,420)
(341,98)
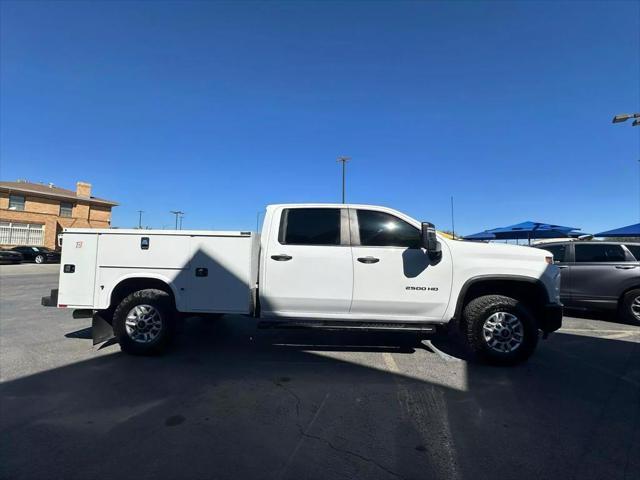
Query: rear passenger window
(635,249)
(310,226)
(559,252)
(379,229)
(593,252)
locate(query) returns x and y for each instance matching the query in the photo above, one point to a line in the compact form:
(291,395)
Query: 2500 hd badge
(428,289)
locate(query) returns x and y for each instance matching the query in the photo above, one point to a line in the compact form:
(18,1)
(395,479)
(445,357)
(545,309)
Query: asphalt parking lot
(231,401)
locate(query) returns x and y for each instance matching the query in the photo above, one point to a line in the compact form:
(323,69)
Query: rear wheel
(143,322)
(499,329)
(630,307)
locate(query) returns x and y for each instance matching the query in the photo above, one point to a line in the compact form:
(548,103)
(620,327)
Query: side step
(346,325)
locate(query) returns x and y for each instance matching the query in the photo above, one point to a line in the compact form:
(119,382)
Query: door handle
(563,266)
(281,257)
(368,260)
(626,267)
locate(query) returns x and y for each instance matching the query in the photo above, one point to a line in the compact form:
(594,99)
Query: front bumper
(550,317)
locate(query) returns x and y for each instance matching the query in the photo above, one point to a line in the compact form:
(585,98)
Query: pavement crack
(294,395)
(349,452)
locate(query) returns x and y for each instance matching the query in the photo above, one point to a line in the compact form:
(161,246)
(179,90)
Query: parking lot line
(390,362)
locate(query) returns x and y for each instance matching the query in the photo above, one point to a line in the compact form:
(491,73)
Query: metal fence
(21,234)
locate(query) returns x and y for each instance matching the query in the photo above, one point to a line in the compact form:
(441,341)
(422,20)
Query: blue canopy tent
(528,231)
(628,231)
(481,236)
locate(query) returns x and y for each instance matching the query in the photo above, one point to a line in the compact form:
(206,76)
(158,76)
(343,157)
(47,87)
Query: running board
(345,325)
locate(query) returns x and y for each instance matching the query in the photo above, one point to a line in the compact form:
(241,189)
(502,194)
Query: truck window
(635,249)
(599,253)
(559,252)
(310,226)
(379,229)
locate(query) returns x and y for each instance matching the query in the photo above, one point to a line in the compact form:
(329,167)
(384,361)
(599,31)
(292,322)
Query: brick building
(34,214)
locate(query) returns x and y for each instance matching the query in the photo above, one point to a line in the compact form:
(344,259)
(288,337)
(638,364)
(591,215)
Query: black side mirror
(430,240)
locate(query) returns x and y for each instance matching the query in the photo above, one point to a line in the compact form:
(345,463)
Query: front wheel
(499,329)
(630,307)
(143,322)
(39,259)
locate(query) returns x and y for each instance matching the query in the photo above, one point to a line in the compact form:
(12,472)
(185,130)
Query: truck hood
(497,250)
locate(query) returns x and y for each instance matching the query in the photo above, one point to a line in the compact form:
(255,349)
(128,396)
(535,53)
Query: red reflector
(62,306)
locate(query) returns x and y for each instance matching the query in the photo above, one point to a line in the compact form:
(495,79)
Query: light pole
(140,212)
(623,117)
(344,161)
(177,213)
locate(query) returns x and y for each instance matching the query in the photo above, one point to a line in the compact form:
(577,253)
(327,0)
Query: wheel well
(621,297)
(531,293)
(131,285)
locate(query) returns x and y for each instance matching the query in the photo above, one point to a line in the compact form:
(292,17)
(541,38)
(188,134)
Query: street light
(344,161)
(623,117)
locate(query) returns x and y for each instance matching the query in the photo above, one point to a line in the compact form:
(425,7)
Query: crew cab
(333,266)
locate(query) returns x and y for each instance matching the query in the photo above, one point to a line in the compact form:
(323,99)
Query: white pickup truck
(317,265)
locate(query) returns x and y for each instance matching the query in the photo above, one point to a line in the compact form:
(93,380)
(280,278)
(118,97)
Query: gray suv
(599,275)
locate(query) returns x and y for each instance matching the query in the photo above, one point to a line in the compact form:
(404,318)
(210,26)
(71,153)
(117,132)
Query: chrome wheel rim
(503,332)
(39,259)
(635,307)
(143,323)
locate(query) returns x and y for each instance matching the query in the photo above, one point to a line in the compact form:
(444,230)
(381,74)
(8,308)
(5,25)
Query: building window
(16,202)
(66,209)
(21,234)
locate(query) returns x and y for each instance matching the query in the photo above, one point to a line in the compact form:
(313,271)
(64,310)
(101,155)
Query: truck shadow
(233,401)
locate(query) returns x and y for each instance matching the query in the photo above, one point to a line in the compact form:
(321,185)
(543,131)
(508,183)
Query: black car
(38,254)
(599,275)
(9,256)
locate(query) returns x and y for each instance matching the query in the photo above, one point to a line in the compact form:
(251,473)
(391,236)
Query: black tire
(626,313)
(162,303)
(40,259)
(476,313)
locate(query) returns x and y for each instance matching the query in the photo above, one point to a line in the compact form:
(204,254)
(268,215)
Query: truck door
(393,277)
(308,267)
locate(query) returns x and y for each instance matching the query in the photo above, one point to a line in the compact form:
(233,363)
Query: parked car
(315,265)
(38,254)
(599,276)
(9,256)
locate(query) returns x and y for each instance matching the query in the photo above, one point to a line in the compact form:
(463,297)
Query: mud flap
(101,329)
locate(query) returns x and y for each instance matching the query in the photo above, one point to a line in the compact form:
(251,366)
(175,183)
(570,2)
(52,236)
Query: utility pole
(140,212)
(344,161)
(453,225)
(177,213)
(181,217)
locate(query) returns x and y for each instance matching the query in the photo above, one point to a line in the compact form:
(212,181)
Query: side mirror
(430,241)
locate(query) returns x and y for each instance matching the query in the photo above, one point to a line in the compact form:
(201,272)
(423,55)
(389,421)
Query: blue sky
(220,108)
